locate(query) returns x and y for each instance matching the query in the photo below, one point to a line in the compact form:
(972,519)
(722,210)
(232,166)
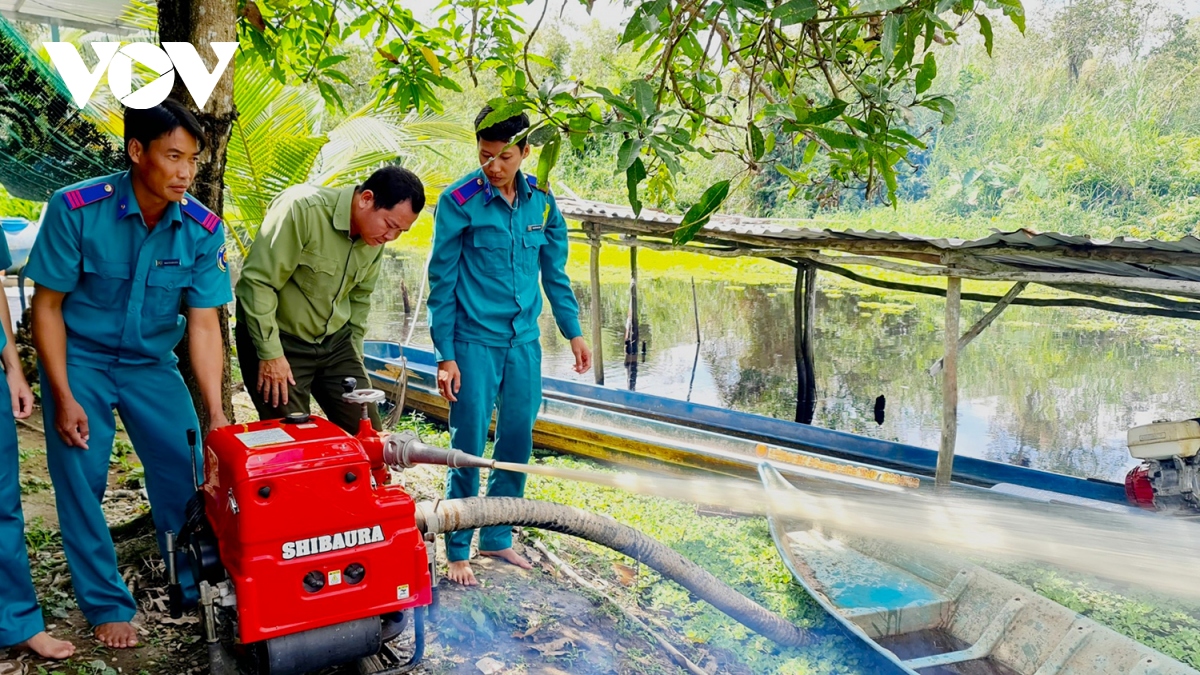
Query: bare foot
(460,573)
(117,635)
(48,647)
(509,556)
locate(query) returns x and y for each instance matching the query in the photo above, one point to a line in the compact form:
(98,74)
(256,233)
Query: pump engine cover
(306,538)
(1164,440)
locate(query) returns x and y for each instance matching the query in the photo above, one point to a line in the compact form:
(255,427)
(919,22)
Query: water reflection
(1053,389)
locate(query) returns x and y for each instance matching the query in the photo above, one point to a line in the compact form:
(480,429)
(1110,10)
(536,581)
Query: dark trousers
(318,369)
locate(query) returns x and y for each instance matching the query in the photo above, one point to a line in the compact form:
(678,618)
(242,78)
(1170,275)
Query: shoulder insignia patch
(534,184)
(89,194)
(221,262)
(199,213)
(463,194)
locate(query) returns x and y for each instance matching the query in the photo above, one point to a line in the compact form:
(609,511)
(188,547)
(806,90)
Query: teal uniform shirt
(487,256)
(123,283)
(5,263)
(124,286)
(484,304)
(20,616)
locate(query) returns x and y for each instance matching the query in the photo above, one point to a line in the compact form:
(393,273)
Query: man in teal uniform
(116,258)
(495,232)
(20,617)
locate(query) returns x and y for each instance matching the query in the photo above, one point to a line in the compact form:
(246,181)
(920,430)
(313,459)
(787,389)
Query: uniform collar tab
(343,209)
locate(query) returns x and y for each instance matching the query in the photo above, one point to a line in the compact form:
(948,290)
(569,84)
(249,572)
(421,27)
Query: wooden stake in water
(945,463)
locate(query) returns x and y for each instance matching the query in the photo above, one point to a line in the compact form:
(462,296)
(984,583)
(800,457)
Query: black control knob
(297,418)
(354,573)
(349,384)
(314,581)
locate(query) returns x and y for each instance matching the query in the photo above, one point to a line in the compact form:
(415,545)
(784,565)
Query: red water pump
(1168,479)
(304,554)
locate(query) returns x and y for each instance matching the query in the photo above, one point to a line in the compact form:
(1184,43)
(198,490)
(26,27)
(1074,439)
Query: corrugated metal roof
(1049,252)
(97,15)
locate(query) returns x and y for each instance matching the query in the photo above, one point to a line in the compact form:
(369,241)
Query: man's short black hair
(392,185)
(145,125)
(501,131)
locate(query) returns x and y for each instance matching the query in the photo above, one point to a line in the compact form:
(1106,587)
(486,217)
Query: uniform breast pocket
(531,251)
(315,273)
(493,249)
(164,289)
(105,282)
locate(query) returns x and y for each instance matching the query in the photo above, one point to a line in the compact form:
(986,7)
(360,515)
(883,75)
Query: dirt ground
(515,622)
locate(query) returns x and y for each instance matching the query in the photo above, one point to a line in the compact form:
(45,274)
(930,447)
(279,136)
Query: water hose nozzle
(405,450)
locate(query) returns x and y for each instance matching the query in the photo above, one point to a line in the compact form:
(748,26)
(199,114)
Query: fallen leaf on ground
(489,666)
(625,574)
(553,648)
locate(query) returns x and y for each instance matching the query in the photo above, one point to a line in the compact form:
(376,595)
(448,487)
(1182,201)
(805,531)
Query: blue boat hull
(380,355)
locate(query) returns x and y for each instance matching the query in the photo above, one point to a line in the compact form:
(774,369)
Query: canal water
(1050,388)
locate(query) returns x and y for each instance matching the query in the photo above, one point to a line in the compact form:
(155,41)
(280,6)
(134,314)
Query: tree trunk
(202,22)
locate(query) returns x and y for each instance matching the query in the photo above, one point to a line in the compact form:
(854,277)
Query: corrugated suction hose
(475,512)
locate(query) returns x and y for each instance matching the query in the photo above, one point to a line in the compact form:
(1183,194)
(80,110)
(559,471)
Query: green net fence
(46,142)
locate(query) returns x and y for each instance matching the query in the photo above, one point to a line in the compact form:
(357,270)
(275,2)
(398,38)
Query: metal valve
(360,396)
(405,450)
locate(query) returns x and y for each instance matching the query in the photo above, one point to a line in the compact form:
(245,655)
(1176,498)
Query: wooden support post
(974,331)
(945,463)
(805,308)
(632,337)
(597,314)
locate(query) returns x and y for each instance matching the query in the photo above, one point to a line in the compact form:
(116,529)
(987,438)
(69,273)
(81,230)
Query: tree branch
(324,41)
(724,35)
(529,40)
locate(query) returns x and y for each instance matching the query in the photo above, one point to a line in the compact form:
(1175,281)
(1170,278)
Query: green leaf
(926,74)
(810,153)
(630,149)
(770,143)
(1015,11)
(880,5)
(634,29)
(891,33)
(506,109)
(940,104)
(635,174)
(701,212)
(985,29)
(332,60)
(542,135)
(794,176)
(757,142)
(837,139)
(643,96)
(547,159)
(822,115)
(779,110)
(795,11)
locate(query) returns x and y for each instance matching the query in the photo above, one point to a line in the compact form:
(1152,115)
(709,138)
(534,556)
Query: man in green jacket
(305,291)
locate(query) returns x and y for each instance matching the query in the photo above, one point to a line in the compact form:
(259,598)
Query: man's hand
(449,380)
(22,395)
(274,376)
(583,355)
(72,424)
(217,419)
